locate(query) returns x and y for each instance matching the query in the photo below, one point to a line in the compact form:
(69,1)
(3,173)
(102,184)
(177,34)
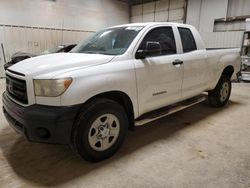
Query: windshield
(112,41)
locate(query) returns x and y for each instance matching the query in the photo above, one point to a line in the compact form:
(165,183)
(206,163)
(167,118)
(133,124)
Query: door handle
(177,62)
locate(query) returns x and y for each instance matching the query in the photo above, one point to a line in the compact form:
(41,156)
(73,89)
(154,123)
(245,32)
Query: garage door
(159,11)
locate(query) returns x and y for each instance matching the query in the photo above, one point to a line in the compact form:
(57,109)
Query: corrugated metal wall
(33,26)
(164,10)
(202,14)
(238,8)
(222,39)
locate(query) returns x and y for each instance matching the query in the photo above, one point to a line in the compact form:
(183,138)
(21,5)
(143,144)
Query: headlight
(52,87)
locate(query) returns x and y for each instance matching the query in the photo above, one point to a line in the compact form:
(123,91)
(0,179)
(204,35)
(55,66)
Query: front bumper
(40,123)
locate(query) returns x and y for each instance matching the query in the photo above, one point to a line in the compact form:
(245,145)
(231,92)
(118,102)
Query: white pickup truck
(122,76)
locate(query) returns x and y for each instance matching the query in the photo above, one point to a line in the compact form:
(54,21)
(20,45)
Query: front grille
(16,88)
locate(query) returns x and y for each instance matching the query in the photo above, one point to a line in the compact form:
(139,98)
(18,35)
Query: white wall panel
(68,38)
(222,39)
(74,14)
(75,17)
(42,36)
(193,13)
(37,40)
(211,9)
(202,13)
(29,42)
(238,7)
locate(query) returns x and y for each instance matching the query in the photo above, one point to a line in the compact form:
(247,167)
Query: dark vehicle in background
(19,56)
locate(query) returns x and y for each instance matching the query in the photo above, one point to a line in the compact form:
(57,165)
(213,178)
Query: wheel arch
(123,99)
(228,71)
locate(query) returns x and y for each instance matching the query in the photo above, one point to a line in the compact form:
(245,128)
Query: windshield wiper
(89,52)
(97,52)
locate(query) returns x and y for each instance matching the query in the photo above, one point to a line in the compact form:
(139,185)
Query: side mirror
(140,54)
(152,49)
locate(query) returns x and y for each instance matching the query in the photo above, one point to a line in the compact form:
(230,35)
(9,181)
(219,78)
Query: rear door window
(187,40)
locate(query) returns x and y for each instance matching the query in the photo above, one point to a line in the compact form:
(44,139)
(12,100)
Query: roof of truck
(140,24)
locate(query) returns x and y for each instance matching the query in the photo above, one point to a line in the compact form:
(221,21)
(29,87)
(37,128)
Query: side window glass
(187,40)
(162,35)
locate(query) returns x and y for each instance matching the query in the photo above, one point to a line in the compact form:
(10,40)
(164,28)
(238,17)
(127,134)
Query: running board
(162,112)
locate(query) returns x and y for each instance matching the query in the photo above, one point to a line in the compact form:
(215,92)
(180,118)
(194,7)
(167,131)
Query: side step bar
(162,112)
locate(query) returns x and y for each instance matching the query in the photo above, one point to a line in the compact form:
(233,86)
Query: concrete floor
(197,147)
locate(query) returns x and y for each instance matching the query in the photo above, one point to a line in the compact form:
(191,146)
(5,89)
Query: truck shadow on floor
(51,165)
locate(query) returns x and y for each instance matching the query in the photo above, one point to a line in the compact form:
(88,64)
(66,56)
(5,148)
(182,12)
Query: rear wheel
(219,96)
(99,130)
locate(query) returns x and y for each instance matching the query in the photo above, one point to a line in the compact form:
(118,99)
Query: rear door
(196,70)
(158,79)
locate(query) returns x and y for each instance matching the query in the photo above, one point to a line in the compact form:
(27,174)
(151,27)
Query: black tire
(219,96)
(92,112)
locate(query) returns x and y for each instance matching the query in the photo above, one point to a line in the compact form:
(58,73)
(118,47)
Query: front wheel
(99,130)
(219,96)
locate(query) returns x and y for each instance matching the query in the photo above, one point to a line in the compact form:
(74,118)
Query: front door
(159,77)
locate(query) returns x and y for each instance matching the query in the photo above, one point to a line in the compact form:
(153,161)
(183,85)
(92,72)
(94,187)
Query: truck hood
(62,62)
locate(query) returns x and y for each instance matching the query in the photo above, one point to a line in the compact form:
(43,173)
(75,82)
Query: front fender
(114,76)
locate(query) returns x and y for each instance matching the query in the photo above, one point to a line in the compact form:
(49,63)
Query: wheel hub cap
(224,92)
(103,132)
